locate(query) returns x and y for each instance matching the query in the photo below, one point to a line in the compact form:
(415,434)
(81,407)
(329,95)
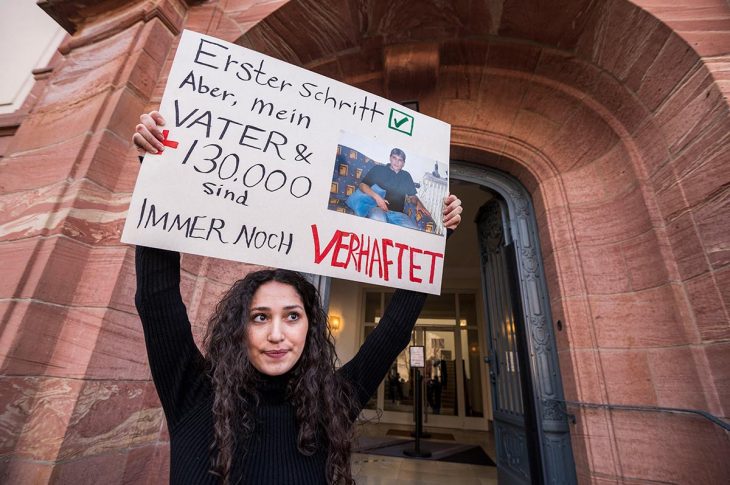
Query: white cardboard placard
(257,170)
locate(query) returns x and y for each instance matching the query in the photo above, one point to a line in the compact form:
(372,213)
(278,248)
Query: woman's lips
(276,354)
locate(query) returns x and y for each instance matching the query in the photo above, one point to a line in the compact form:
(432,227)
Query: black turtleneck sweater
(186,393)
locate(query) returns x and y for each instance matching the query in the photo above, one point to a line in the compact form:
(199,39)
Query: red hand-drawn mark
(166,142)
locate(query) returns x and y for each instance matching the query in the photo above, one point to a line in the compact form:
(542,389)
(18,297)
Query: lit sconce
(335,323)
(510,327)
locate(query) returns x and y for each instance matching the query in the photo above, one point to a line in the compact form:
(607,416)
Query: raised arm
(176,363)
(393,332)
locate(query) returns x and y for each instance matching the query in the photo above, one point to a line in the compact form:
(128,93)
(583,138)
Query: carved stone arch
(556,452)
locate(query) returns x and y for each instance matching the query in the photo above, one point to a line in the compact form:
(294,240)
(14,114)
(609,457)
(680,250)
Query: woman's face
(277,328)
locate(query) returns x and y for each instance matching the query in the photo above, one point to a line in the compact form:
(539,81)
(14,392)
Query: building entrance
(454,391)
(458,331)
(513,397)
(531,430)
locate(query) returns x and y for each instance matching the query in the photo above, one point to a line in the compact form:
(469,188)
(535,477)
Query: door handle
(493,367)
(493,362)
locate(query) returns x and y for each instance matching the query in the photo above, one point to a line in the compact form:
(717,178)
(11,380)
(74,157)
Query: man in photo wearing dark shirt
(390,186)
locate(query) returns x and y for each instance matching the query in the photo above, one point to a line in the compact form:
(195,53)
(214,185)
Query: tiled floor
(386,470)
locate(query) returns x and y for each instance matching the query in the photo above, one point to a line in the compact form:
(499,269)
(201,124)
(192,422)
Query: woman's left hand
(452,211)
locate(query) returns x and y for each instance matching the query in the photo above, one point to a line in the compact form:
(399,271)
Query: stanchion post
(417,452)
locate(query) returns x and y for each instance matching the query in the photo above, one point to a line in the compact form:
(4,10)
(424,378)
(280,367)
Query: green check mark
(401,121)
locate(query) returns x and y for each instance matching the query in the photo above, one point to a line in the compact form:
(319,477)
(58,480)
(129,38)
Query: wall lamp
(335,323)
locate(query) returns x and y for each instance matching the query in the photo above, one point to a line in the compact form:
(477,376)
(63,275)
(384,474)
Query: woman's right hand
(148,137)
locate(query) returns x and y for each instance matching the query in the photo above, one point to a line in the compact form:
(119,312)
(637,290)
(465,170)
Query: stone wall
(77,399)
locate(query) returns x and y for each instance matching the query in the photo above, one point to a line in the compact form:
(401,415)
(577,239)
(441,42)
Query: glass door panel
(399,384)
(471,362)
(440,371)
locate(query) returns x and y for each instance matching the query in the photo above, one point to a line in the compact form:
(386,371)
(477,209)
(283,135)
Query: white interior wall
(345,303)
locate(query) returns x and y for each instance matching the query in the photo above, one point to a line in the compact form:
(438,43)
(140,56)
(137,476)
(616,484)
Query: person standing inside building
(265,403)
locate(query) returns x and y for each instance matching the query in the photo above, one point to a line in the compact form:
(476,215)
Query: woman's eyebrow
(265,308)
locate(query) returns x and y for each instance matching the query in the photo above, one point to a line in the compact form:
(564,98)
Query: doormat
(408,434)
(440,451)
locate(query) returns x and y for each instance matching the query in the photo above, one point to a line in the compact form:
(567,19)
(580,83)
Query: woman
(266,403)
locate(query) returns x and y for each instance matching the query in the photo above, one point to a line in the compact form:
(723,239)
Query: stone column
(76,400)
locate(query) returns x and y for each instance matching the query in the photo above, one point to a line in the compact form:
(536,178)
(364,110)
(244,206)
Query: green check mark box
(400,121)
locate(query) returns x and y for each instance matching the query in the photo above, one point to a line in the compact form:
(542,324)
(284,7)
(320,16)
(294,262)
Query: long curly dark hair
(321,397)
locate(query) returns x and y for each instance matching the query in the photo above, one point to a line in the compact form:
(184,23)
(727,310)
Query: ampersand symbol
(302,154)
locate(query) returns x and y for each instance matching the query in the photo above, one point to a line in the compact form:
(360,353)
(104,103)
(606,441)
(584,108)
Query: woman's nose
(275,332)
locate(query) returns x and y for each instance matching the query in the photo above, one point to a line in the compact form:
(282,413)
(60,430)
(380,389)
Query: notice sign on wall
(416,354)
(271,164)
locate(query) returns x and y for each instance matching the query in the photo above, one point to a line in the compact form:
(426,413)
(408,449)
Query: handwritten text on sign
(263,161)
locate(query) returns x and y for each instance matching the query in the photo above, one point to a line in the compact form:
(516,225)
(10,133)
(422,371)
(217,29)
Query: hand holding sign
(452,211)
(147,137)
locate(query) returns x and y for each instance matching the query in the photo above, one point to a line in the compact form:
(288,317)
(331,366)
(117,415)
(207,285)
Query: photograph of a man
(369,180)
(386,189)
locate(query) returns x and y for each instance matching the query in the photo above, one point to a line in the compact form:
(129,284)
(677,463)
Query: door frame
(556,455)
